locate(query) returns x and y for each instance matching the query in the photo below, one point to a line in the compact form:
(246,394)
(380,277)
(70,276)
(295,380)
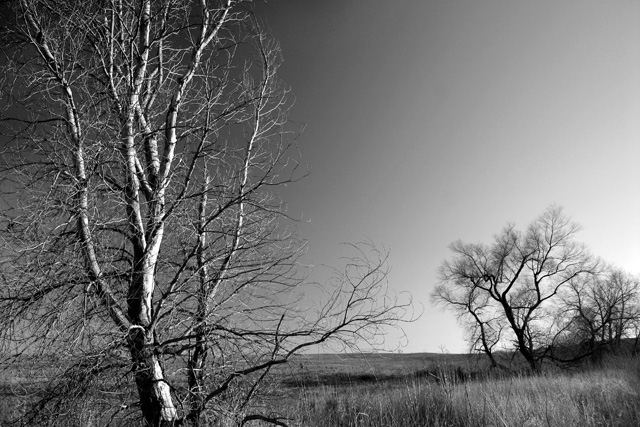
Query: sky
(428,121)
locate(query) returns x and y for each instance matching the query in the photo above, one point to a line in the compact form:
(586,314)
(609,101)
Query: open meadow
(405,390)
(458,390)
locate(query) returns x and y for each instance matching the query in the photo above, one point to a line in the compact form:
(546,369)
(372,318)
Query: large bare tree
(516,281)
(143,143)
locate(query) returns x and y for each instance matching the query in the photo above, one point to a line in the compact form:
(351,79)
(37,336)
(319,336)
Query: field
(428,389)
(459,390)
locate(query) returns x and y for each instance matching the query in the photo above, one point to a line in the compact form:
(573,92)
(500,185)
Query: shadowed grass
(356,393)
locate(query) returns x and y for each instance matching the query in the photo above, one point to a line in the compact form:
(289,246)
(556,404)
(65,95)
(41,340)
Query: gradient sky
(430,121)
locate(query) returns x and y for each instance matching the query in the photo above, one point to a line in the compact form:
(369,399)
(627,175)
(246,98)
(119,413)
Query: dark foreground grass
(418,391)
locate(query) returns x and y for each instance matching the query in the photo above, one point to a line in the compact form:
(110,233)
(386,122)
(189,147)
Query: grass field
(459,390)
(350,369)
(411,390)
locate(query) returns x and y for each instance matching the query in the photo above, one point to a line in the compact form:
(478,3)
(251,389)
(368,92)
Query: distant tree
(515,281)
(601,311)
(143,145)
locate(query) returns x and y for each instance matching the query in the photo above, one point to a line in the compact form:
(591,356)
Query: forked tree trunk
(156,402)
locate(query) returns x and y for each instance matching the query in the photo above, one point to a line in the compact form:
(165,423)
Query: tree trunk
(197,359)
(492,359)
(196,379)
(154,392)
(533,363)
(527,351)
(524,349)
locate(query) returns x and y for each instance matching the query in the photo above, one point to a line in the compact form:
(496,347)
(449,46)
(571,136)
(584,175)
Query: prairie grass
(424,391)
(594,396)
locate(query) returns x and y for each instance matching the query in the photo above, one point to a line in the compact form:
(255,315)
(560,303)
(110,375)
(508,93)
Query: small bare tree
(143,145)
(516,280)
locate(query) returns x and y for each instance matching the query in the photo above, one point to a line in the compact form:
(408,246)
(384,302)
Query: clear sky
(429,121)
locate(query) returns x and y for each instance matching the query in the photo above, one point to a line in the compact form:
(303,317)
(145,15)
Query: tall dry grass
(605,395)
(600,395)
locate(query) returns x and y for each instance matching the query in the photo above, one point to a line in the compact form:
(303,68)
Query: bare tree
(143,145)
(519,276)
(600,312)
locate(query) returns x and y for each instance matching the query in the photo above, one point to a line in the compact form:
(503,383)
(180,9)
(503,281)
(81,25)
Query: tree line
(540,293)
